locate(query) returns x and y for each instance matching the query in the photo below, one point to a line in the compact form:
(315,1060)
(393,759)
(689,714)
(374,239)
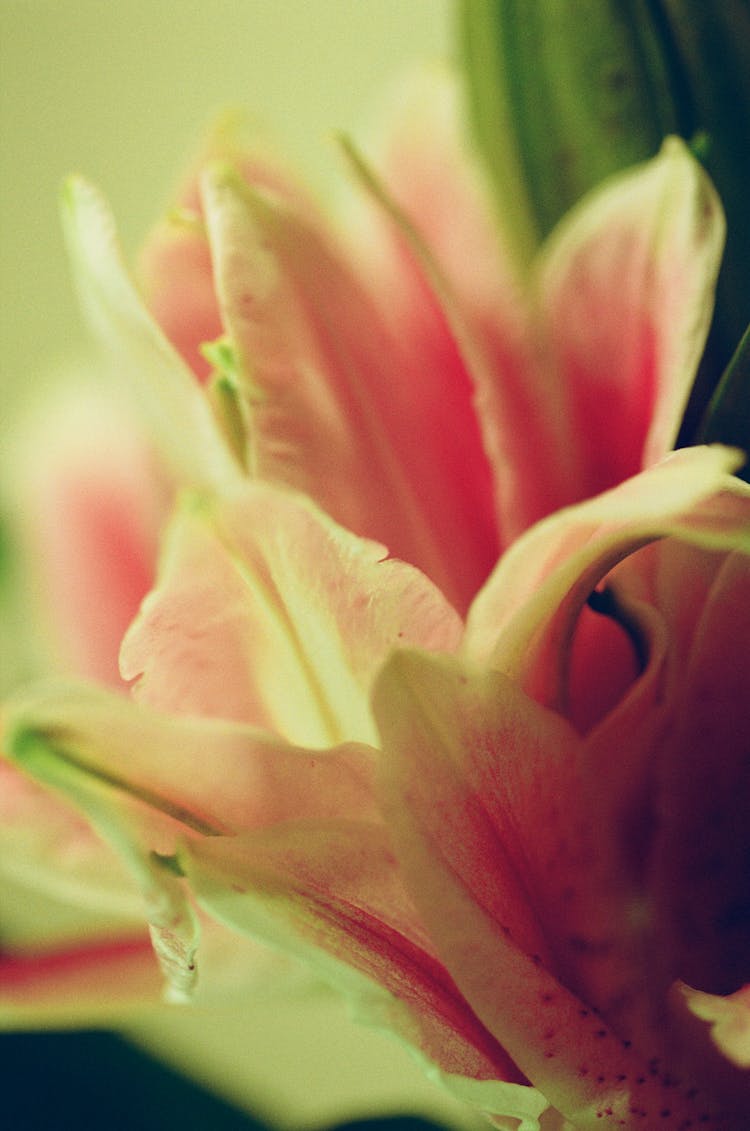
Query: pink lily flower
(418,328)
(457,790)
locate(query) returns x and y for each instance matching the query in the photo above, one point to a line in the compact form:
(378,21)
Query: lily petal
(99,982)
(729,1018)
(426,229)
(49,847)
(698,876)
(434,716)
(147,366)
(90,500)
(144,834)
(174,268)
(330,892)
(115,979)
(336,399)
(532,601)
(291,650)
(625,297)
(332,876)
(239,778)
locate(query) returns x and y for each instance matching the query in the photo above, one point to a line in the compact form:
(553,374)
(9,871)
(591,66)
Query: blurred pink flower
(457,787)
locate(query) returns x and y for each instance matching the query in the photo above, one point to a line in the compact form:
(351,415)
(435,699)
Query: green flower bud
(565,92)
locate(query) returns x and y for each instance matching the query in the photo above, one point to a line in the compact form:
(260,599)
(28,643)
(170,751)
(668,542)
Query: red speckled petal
(468,886)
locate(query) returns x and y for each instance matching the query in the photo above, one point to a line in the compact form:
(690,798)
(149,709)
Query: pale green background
(121,90)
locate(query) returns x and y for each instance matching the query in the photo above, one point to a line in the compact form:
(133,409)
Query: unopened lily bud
(564,94)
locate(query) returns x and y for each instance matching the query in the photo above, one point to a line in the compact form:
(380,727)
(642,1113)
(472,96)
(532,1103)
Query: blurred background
(123,93)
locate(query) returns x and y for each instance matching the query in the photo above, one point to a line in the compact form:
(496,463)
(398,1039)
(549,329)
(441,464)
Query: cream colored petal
(139,356)
(267,612)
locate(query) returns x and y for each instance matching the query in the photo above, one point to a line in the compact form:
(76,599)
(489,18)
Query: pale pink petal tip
(729,1019)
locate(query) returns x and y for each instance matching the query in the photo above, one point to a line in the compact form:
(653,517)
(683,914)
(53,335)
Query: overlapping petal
(240,778)
(268,612)
(146,365)
(310,870)
(494,759)
(591,359)
(488,371)
(337,397)
(174,268)
(624,297)
(49,847)
(331,892)
(529,606)
(425,230)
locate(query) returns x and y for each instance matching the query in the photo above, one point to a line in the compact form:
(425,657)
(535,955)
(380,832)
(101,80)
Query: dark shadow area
(77,1081)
